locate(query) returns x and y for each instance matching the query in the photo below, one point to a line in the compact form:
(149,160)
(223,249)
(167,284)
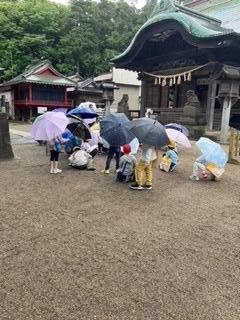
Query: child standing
(144,167)
(113,150)
(55,147)
(127,165)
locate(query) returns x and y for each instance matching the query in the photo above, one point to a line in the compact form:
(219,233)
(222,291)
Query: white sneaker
(105,171)
(57,171)
(52,171)
(194,178)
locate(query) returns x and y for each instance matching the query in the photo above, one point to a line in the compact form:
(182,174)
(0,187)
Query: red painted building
(38,88)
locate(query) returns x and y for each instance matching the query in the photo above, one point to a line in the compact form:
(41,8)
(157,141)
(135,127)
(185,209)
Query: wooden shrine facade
(178,50)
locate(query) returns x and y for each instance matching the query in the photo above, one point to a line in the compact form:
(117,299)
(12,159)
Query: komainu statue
(123,106)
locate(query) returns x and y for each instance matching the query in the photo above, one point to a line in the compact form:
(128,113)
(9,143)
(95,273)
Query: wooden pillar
(226,111)
(212,90)
(65,96)
(143,97)
(30,113)
(30,92)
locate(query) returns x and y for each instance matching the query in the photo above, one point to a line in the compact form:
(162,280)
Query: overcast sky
(140,3)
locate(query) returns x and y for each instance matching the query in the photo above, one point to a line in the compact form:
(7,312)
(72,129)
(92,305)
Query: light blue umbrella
(212,152)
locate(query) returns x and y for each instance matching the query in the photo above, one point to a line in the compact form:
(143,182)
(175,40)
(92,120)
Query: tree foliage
(81,37)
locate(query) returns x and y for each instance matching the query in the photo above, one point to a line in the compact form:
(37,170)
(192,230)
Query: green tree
(81,37)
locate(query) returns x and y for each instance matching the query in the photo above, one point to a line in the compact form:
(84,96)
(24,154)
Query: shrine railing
(46,103)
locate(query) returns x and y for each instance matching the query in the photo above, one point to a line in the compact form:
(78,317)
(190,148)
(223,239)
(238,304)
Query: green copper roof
(196,24)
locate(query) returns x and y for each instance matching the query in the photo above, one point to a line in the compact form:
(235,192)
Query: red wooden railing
(44,103)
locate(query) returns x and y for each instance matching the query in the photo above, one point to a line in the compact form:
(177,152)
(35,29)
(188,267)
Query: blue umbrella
(212,152)
(84,113)
(67,135)
(113,128)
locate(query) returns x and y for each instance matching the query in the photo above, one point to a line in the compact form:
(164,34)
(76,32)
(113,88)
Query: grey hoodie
(127,164)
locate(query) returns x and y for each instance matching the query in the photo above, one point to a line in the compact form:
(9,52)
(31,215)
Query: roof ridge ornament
(164,6)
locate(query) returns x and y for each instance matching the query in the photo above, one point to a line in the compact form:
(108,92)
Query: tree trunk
(5,143)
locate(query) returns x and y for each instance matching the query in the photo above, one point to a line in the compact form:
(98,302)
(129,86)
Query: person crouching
(170,158)
(80,159)
(203,170)
(125,172)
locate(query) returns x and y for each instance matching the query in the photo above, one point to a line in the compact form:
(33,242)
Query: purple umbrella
(178,127)
(49,125)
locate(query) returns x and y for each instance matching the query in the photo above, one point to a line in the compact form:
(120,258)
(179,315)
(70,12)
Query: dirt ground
(78,246)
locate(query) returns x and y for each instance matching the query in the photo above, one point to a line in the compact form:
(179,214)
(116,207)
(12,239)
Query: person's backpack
(120,177)
(57,146)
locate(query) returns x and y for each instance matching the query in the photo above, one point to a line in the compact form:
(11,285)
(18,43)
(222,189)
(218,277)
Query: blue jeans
(111,152)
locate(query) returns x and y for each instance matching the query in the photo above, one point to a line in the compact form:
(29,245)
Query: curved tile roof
(197,25)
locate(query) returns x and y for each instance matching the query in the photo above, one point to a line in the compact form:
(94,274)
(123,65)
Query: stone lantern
(108,94)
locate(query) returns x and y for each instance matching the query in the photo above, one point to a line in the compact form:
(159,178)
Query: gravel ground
(78,246)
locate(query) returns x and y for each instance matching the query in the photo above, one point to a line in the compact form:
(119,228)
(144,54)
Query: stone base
(234,161)
(195,131)
(195,124)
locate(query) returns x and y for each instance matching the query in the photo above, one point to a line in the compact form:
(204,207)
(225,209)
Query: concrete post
(227,104)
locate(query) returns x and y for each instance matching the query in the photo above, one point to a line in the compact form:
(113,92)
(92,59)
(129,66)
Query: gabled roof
(41,73)
(197,26)
(76,77)
(104,77)
(87,85)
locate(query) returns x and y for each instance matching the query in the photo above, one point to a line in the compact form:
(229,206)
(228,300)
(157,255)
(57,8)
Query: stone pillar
(227,104)
(5,144)
(228,95)
(107,94)
(107,106)
(212,90)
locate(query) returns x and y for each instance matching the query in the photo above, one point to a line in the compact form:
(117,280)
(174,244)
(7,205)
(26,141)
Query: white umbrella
(178,137)
(134,146)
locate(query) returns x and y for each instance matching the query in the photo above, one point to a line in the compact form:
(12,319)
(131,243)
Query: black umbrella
(113,128)
(149,131)
(80,130)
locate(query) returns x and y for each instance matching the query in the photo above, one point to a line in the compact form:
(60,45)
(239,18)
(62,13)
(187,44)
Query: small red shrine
(39,87)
